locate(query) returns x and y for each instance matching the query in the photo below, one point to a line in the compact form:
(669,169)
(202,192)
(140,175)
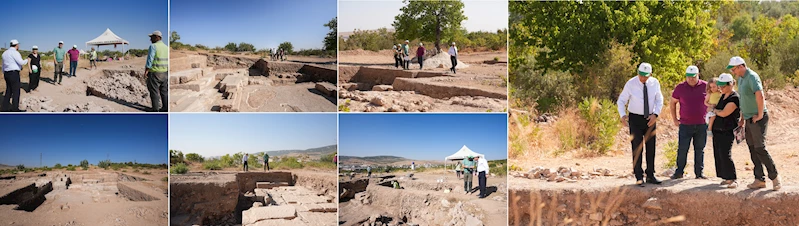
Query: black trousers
(421,62)
(454,60)
(397,61)
(12,91)
(245,166)
(481,181)
(34,79)
(638,128)
(159,90)
(266,166)
(722,154)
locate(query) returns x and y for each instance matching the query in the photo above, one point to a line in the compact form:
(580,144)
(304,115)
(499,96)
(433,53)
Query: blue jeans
(697,133)
(73,66)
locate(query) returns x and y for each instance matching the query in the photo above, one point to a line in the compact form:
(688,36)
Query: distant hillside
(382,160)
(6,166)
(311,152)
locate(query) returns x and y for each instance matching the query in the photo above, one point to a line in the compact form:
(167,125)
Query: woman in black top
(727,116)
(34,77)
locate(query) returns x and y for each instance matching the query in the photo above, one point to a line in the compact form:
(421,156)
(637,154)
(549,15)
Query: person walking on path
(643,100)
(74,55)
(728,115)
(12,64)
(690,95)
(36,69)
(93,59)
(482,170)
(755,122)
(369,171)
(468,172)
(244,162)
(157,71)
(59,54)
(453,56)
(266,162)
(420,55)
(406,60)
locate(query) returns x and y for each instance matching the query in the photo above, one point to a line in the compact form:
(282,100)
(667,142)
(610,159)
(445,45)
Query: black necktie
(646,102)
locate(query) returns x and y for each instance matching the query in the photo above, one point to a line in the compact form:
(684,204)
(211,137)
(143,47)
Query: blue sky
(45,22)
(485,15)
(422,136)
(263,23)
(219,134)
(70,138)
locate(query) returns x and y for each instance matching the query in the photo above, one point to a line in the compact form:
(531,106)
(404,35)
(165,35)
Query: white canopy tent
(463,153)
(107,38)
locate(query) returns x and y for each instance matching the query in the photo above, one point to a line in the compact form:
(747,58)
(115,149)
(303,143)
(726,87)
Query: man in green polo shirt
(468,170)
(266,161)
(755,122)
(58,61)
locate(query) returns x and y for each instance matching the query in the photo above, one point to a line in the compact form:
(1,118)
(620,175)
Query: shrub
(104,164)
(179,168)
(71,168)
(286,163)
(57,166)
(175,157)
(547,91)
(146,173)
(670,152)
(194,157)
(21,167)
(136,170)
(212,165)
(603,122)
(514,168)
(84,164)
(115,167)
(165,179)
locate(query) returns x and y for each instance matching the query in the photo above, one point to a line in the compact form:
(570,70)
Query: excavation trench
(252,198)
(632,206)
(429,83)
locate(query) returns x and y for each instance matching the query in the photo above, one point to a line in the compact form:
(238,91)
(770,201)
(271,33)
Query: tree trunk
(438,30)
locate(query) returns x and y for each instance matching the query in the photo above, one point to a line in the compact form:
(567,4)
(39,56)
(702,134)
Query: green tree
(231,47)
(569,36)
(741,27)
(194,157)
(175,156)
(330,39)
(286,46)
(104,164)
(227,161)
(173,37)
(21,167)
(84,164)
(57,166)
(245,47)
(429,20)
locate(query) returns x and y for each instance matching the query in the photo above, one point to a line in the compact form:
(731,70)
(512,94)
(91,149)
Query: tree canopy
(429,20)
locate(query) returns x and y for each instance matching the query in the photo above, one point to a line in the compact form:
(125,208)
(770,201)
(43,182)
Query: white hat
(691,71)
(724,79)
(14,42)
(60,42)
(74,46)
(35,47)
(645,69)
(735,61)
(453,43)
(421,44)
(406,40)
(156,33)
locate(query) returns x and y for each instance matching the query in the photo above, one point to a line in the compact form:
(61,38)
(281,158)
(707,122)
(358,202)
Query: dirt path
(72,91)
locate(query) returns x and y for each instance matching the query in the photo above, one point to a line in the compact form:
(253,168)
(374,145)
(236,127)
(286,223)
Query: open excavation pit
(56,197)
(629,205)
(374,89)
(253,198)
(211,82)
(376,201)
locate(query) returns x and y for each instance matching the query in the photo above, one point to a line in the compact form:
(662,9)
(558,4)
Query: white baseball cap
(407,41)
(156,33)
(35,47)
(60,42)
(14,42)
(691,71)
(735,61)
(74,46)
(453,43)
(645,69)
(421,44)
(724,79)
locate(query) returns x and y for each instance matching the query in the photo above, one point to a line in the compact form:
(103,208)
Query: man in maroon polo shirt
(690,95)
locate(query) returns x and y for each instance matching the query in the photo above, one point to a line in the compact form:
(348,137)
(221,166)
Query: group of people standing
(402,57)
(156,69)
(470,167)
(704,106)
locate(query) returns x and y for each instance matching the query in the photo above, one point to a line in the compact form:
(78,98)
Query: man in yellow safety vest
(157,69)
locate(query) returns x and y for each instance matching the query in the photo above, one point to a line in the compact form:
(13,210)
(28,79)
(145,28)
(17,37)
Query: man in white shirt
(12,64)
(244,161)
(644,101)
(482,170)
(453,55)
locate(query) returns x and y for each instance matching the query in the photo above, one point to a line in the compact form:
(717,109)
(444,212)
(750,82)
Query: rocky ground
(479,85)
(116,86)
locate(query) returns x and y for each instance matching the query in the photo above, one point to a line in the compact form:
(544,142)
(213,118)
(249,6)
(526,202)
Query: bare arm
(673,109)
(761,102)
(728,109)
